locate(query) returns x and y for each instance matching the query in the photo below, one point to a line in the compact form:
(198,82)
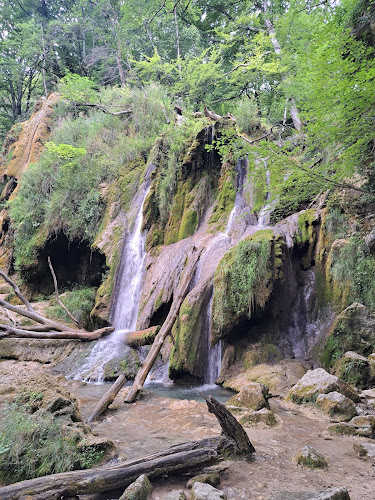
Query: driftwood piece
(108,398)
(231,428)
(165,329)
(11,331)
(100,480)
(58,300)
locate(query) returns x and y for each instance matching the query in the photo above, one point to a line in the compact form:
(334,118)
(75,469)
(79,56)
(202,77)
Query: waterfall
(214,353)
(127,294)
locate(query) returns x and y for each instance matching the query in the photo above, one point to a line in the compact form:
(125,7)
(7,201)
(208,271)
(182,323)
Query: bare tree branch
(58,300)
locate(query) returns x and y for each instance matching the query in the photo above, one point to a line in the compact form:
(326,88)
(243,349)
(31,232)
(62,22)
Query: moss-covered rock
(308,457)
(353,330)
(244,280)
(316,382)
(254,396)
(188,348)
(354,369)
(337,406)
(263,417)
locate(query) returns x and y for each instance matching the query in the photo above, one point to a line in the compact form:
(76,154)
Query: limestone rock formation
(337,406)
(316,382)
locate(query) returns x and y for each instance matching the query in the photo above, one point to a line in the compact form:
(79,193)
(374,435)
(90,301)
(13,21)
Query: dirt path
(154,423)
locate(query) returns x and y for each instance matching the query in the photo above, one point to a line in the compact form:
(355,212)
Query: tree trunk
(272,33)
(177,40)
(11,331)
(232,429)
(165,329)
(104,479)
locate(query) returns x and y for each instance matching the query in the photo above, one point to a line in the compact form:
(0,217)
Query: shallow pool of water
(173,391)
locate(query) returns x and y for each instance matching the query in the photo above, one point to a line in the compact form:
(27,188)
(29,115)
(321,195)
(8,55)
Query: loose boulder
(316,382)
(254,396)
(365,450)
(263,417)
(308,457)
(212,478)
(201,491)
(354,369)
(141,489)
(330,494)
(337,406)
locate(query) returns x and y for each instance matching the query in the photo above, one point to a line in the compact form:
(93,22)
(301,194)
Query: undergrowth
(79,302)
(35,445)
(65,190)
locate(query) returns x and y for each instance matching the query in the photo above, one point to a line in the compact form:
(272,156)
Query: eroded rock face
(316,382)
(337,406)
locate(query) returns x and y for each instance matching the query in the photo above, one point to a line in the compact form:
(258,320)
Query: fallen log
(100,480)
(47,329)
(178,458)
(165,330)
(10,331)
(108,398)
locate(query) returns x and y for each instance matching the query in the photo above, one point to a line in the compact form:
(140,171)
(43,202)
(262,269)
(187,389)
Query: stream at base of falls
(171,391)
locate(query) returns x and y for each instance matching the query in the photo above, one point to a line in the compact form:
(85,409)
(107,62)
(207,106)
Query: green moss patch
(244,280)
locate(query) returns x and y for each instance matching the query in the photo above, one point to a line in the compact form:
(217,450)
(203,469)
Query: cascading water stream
(127,294)
(214,352)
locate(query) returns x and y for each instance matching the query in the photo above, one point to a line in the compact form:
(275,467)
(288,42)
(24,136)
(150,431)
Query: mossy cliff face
(188,352)
(352,330)
(244,280)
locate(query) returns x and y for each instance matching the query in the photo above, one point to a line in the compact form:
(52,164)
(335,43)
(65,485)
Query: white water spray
(127,294)
(214,352)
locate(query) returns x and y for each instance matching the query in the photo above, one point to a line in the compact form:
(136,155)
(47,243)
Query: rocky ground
(155,422)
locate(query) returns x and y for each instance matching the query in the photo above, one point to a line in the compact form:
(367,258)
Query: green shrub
(34,445)
(354,270)
(79,302)
(64,190)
